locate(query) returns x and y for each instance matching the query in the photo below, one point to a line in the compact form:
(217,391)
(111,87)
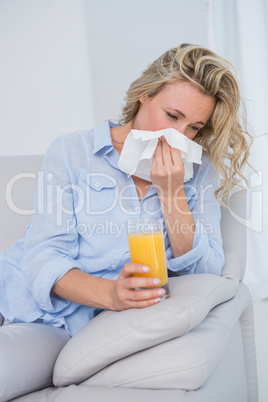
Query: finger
(178,167)
(172,158)
(143,298)
(176,156)
(158,156)
(149,294)
(167,153)
(144,303)
(134,268)
(135,282)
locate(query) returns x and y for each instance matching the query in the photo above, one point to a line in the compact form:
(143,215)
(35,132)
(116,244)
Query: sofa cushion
(185,362)
(114,335)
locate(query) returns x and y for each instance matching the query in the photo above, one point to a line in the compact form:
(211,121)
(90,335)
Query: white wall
(125,36)
(66,64)
(44,73)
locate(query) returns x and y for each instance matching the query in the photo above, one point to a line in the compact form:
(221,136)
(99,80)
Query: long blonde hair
(222,138)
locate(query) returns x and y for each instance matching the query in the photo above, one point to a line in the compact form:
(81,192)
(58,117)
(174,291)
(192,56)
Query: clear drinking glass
(147,247)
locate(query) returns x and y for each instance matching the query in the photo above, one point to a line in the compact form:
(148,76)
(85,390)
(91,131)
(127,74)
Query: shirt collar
(102,136)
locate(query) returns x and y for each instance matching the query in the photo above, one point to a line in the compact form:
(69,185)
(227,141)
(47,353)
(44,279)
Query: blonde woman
(67,268)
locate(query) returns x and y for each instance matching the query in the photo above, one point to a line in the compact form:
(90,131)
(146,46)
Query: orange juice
(149,249)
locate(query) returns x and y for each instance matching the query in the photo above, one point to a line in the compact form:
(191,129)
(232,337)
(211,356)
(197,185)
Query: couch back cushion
(18,181)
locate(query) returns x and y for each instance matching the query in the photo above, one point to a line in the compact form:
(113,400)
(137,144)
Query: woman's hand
(167,171)
(125,296)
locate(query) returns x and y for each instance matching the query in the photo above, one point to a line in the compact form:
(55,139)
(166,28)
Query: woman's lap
(28,352)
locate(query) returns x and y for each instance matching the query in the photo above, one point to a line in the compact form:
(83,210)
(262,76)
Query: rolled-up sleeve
(206,255)
(50,248)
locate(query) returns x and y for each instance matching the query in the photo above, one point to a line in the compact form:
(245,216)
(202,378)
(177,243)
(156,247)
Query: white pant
(27,356)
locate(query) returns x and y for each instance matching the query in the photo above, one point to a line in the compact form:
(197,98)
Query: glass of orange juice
(147,247)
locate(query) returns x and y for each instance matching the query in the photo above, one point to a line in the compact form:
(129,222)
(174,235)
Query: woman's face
(178,105)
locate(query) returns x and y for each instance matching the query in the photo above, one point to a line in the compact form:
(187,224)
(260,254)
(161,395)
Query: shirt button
(113,266)
(97,185)
(138,209)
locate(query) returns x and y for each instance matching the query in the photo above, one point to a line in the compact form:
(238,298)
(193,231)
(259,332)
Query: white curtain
(238,31)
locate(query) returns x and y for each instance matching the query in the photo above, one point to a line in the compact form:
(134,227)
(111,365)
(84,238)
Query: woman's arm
(167,174)
(120,294)
(195,243)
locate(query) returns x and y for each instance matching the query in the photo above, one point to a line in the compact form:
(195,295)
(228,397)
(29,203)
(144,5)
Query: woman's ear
(142,98)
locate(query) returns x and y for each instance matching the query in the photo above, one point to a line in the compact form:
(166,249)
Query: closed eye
(195,128)
(172,116)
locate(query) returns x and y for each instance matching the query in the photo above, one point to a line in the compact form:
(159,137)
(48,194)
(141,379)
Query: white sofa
(197,346)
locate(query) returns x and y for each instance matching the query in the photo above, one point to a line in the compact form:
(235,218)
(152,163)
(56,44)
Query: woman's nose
(181,128)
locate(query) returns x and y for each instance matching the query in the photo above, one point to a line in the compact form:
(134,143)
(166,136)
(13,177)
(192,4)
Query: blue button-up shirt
(81,208)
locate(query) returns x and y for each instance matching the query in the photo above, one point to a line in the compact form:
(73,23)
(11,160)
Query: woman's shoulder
(72,148)
(76,141)
(78,150)
(84,142)
(69,151)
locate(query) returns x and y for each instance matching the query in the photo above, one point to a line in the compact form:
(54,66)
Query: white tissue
(137,154)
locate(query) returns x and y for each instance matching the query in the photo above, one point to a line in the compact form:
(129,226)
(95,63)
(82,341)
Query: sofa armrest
(114,335)
(232,267)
